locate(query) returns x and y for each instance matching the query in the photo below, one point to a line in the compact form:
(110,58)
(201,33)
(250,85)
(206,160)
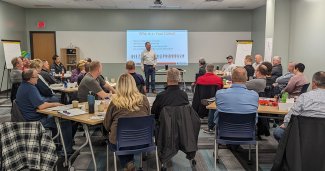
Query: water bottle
(65,83)
(53,72)
(284,97)
(91,103)
(217,67)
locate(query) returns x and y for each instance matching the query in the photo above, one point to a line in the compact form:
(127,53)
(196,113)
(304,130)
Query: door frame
(31,40)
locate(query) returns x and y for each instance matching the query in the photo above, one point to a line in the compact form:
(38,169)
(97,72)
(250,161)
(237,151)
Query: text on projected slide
(170,46)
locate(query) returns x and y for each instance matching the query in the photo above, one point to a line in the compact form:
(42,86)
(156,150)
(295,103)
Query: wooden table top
(261,109)
(84,118)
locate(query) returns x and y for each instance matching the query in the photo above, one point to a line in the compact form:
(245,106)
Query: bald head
(239,75)
(258,58)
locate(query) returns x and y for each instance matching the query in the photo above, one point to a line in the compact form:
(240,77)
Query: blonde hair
(127,95)
(36,64)
(81,64)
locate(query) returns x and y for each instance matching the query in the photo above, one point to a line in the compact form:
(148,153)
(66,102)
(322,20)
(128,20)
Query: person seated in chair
(29,100)
(45,73)
(259,83)
(202,65)
(236,99)
(281,82)
(276,68)
(249,67)
(80,68)
(141,85)
(15,76)
(92,82)
(310,104)
(296,82)
(209,78)
(127,102)
(43,86)
(57,65)
(172,96)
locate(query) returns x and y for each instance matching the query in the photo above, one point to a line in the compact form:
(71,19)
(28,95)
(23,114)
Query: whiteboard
(11,50)
(243,49)
(110,47)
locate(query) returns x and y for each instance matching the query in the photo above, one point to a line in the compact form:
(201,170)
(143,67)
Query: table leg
(88,141)
(90,145)
(57,122)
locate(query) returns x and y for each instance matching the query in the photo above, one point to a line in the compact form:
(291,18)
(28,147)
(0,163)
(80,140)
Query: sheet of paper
(61,108)
(72,112)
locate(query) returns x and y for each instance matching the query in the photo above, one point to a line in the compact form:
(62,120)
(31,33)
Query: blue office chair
(236,129)
(135,131)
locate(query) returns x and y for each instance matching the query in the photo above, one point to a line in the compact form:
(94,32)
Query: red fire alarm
(41,24)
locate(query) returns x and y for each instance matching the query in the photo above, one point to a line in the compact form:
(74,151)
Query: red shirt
(210,79)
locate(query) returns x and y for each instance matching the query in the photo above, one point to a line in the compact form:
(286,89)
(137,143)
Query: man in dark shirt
(29,100)
(46,74)
(172,96)
(57,65)
(202,65)
(277,68)
(139,81)
(249,67)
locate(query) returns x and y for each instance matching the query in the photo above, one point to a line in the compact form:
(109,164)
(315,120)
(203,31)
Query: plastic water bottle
(284,97)
(53,72)
(91,102)
(65,83)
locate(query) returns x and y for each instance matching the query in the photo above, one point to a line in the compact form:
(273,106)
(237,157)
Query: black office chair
(14,89)
(304,88)
(203,92)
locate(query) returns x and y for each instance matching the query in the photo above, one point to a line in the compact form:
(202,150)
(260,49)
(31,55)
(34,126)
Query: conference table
(85,120)
(262,109)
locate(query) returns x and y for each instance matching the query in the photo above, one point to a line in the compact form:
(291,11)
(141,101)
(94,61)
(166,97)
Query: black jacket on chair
(179,128)
(203,92)
(172,96)
(302,145)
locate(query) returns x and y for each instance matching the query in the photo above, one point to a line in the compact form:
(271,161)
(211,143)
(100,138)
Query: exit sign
(41,24)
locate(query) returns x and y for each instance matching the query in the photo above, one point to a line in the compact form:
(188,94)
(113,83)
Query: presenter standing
(148,65)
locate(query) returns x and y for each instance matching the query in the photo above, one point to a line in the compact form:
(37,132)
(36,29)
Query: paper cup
(75,103)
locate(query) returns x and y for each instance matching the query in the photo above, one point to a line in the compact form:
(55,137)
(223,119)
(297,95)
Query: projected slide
(170,45)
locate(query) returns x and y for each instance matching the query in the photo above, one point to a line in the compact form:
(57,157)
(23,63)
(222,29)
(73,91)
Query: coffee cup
(75,103)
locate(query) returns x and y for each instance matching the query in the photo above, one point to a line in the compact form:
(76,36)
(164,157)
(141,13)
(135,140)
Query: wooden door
(43,45)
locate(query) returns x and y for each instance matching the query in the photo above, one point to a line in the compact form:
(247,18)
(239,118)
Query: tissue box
(285,106)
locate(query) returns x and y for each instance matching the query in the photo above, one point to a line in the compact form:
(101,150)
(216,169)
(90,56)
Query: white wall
(12,27)
(110,47)
(307,34)
(258,30)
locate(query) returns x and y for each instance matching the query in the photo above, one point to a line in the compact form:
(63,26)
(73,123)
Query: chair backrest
(304,88)
(16,115)
(135,131)
(203,92)
(14,89)
(236,126)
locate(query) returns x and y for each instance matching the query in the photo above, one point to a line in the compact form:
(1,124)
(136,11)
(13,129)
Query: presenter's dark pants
(149,71)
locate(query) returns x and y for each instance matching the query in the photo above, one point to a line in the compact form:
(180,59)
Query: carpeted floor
(229,160)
